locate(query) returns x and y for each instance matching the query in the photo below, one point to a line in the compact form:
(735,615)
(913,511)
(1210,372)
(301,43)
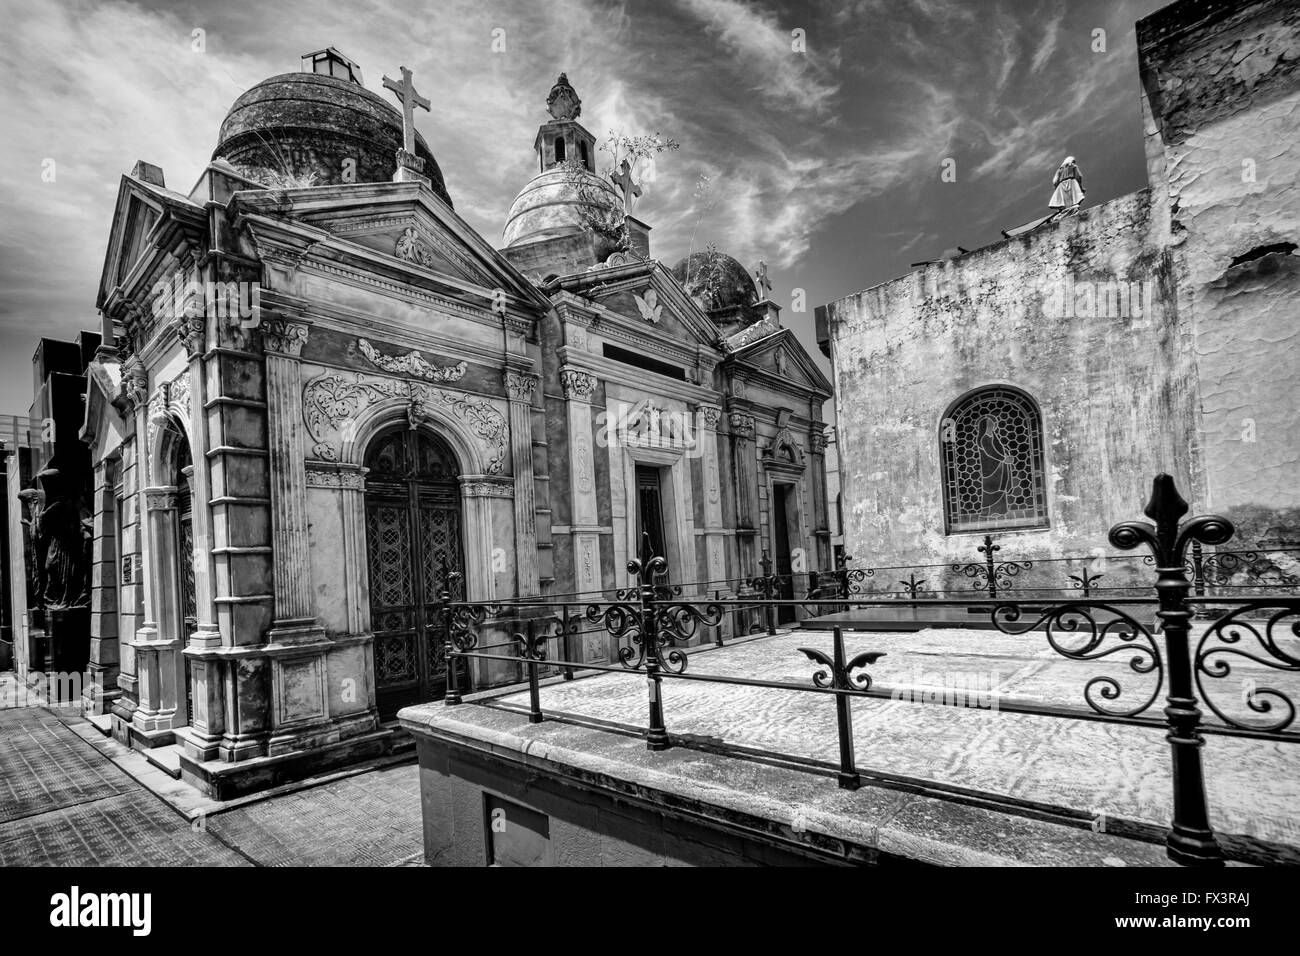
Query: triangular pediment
(775,353)
(147,220)
(398,223)
(645,297)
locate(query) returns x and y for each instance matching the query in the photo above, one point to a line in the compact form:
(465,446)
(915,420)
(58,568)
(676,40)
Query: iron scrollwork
(991,575)
(649,620)
(1224,640)
(842,676)
(1100,639)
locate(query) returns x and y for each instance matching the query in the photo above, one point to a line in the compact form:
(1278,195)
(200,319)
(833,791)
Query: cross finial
(623,180)
(409,99)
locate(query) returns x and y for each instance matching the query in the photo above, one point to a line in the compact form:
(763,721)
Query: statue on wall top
(1069,191)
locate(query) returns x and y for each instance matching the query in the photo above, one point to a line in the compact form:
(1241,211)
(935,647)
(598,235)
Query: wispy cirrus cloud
(763,47)
(795,142)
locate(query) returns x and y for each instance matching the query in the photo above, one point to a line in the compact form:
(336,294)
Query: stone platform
(943,784)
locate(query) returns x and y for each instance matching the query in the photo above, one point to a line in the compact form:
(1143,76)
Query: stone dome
(564,201)
(302,124)
(716,281)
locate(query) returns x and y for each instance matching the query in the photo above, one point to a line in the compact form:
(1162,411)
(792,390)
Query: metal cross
(409,99)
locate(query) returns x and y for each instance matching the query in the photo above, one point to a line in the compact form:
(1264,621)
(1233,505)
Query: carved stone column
(821,514)
(744,455)
(135,390)
(579,389)
(187,394)
(520,387)
(706,419)
(158,644)
(486,507)
(584,533)
(282,341)
(104,649)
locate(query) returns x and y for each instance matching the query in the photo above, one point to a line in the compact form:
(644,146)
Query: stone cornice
(611,371)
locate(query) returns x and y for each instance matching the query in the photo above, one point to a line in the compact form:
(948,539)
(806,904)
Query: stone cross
(409,99)
(764,283)
(623,180)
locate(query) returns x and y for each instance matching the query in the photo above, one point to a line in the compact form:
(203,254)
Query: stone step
(101,722)
(167,759)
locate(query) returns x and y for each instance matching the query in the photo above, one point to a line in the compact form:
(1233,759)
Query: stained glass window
(991,443)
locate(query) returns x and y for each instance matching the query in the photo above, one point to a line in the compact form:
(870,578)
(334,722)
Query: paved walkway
(64,802)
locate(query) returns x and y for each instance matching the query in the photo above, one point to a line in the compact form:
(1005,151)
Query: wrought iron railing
(1152,639)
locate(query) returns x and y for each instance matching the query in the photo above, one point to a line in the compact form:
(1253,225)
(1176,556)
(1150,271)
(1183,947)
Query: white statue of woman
(1069,190)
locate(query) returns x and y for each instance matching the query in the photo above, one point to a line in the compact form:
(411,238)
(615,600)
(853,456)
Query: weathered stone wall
(1223,82)
(1195,378)
(1116,392)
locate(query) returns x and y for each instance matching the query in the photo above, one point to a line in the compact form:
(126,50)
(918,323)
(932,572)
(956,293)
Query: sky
(823,131)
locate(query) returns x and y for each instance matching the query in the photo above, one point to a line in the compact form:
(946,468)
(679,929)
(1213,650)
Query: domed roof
(562,201)
(716,281)
(302,125)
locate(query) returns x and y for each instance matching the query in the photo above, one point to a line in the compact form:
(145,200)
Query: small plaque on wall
(127,567)
(516,835)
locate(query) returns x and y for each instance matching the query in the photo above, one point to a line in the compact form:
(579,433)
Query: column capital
(742,425)
(709,414)
(191,331)
(135,383)
(577,383)
(817,441)
(160,498)
(520,385)
(283,336)
(486,486)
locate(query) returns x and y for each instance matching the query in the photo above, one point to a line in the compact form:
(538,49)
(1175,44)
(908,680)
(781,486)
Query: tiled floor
(64,803)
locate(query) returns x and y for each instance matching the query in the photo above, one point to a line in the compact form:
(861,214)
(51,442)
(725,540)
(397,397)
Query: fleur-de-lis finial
(648,565)
(1167,539)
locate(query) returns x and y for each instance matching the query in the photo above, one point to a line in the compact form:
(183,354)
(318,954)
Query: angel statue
(1069,190)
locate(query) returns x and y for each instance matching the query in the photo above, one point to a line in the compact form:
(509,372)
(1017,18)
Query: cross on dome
(409,99)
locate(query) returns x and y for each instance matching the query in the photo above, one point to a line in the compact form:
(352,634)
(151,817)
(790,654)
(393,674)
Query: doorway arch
(178,604)
(413,549)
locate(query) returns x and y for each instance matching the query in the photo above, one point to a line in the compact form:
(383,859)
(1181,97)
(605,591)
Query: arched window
(991,444)
(559,150)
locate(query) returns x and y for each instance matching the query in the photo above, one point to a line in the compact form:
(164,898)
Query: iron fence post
(987,548)
(1198,578)
(769,589)
(566,644)
(532,654)
(842,577)
(646,571)
(717,641)
(1198,568)
(656,733)
(848,775)
(452,696)
(1191,840)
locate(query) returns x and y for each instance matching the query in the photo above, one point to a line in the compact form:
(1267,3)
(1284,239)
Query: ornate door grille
(413,543)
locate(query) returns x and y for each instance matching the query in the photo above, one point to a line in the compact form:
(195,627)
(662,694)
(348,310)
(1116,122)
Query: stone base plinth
(225,781)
